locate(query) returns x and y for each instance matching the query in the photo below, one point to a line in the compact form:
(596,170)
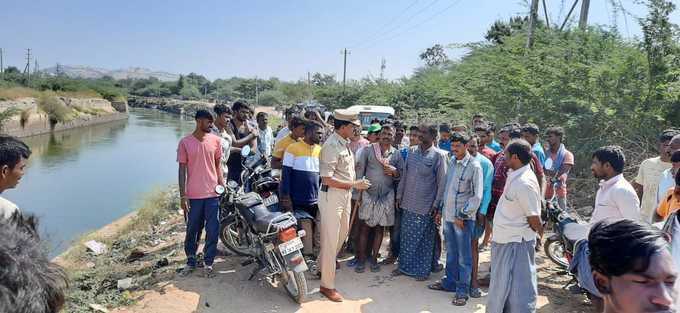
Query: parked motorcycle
(269,239)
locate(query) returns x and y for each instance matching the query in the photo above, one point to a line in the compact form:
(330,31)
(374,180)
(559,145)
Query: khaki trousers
(334,211)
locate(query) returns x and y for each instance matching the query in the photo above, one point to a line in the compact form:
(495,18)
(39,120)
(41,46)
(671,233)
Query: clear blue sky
(259,38)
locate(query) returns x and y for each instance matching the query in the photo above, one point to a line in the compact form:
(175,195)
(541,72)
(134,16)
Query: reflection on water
(81,179)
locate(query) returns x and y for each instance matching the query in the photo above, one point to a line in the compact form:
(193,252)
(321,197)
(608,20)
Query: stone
(98,308)
(124,284)
(135,255)
(96,247)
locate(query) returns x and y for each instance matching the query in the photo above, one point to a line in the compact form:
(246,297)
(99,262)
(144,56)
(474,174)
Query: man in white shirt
(516,225)
(616,197)
(13,158)
(265,142)
(283,132)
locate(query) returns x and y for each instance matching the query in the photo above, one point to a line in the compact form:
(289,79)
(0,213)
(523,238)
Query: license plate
(273,199)
(290,246)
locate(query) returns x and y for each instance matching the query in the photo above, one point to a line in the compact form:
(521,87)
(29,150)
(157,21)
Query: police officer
(336,168)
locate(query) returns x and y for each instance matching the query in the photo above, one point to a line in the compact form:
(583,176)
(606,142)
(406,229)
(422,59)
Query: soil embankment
(30,120)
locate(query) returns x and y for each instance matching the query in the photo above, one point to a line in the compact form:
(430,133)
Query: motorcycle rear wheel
(296,285)
(554,249)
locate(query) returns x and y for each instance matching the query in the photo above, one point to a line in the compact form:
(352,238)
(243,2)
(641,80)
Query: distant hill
(77,71)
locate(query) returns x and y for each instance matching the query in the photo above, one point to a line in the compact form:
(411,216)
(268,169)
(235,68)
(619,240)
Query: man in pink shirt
(199,155)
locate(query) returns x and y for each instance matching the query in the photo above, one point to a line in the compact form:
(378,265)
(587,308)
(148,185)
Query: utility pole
(566,19)
(309,86)
(545,11)
(2,65)
(344,73)
(382,68)
(27,69)
(583,20)
(533,17)
(257,93)
(35,66)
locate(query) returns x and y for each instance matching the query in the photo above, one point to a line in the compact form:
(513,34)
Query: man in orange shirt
(670,202)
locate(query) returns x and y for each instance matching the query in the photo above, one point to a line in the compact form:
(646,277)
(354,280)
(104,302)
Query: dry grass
(14,93)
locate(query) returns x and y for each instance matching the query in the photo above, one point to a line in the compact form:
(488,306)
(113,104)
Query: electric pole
(344,73)
(382,68)
(566,19)
(533,17)
(583,20)
(309,86)
(545,11)
(257,93)
(35,66)
(2,66)
(27,69)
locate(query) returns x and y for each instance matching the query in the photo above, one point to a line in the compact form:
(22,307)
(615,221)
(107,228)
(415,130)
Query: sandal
(360,268)
(390,260)
(353,262)
(375,267)
(475,293)
(459,301)
(436,286)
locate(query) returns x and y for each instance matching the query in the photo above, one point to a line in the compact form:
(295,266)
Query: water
(82,179)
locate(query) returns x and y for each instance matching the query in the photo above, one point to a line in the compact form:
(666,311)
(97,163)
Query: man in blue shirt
(445,138)
(492,143)
(530,133)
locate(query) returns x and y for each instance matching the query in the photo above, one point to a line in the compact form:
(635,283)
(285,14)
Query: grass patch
(14,93)
(98,284)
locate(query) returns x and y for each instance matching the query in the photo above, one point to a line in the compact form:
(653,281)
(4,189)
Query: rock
(162,263)
(98,308)
(90,265)
(135,255)
(124,284)
(96,247)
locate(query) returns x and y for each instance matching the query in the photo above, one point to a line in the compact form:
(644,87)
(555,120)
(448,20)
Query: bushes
(57,111)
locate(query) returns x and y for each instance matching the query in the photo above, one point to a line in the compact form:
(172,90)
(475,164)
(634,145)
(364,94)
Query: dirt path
(230,291)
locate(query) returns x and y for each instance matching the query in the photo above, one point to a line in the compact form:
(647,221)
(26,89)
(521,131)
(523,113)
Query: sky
(258,38)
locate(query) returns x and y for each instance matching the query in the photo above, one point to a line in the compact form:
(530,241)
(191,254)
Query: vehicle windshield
(367,117)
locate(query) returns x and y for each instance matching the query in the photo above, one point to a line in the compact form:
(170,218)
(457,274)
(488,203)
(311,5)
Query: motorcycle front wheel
(554,249)
(233,236)
(295,284)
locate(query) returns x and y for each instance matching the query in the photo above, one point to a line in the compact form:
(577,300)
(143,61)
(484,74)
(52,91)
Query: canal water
(82,179)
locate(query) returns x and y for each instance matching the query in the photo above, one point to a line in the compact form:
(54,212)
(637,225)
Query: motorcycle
(269,239)
(259,177)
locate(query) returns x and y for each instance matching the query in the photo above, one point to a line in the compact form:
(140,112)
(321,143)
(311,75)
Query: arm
(328,161)
(536,225)
(469,211)
(441,181)
(639,180)
(530,200)
(277,155)
(362,161)
(284,187)
(486,197)
(628,204)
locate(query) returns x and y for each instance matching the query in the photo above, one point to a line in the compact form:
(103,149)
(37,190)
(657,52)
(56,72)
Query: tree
(434,56)
(500,29)
(272,98)
(7,114)
(323,80)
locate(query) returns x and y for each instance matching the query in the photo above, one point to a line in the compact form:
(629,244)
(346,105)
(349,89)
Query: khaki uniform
(336,161)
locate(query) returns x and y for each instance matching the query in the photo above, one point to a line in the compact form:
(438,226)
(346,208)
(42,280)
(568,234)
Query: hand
(389,170)
(253,130)
(361,184)
(481,219)
(437,217)
(459,223)
(397,204)
(184,204)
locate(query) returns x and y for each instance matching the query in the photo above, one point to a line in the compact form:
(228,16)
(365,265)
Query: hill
(78,71)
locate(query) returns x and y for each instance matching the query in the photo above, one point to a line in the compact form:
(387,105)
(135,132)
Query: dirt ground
(230,291)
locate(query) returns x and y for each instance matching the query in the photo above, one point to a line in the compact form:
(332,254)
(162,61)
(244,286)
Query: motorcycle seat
(576,231)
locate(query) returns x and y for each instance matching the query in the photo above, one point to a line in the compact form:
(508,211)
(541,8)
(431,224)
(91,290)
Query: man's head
(554,136)
(344,122)
(673,144)
(242,111)
(414,135)
(444,132)
(530,133)
(517,154)
(608,162)
(28,281)
(515,132)
(13,158)
(204,121)
(223,115)
(427,134)
(373,134)
(313,132)
(289,113)
(296,127)
(675,162)
(665,143)
(387,135)
(459,144)
(461,128)
(632,267)
(484,133)
(473,145)
(399,131)
(504,134)
(477,119)
(262,120)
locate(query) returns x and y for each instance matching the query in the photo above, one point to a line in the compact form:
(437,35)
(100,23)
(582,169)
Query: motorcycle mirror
(245,151)
(219,189)
(548,164)
(232,184)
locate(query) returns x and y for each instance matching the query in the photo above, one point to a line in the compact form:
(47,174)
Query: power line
(405,21)
(377,32)
(431,17)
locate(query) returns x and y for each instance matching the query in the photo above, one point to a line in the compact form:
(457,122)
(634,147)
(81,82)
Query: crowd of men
(466,187)
(469,183)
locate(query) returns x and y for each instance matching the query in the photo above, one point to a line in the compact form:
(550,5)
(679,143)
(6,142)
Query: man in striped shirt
(299,189)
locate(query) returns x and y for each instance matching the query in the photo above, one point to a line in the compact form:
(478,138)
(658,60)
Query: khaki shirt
(336,160)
